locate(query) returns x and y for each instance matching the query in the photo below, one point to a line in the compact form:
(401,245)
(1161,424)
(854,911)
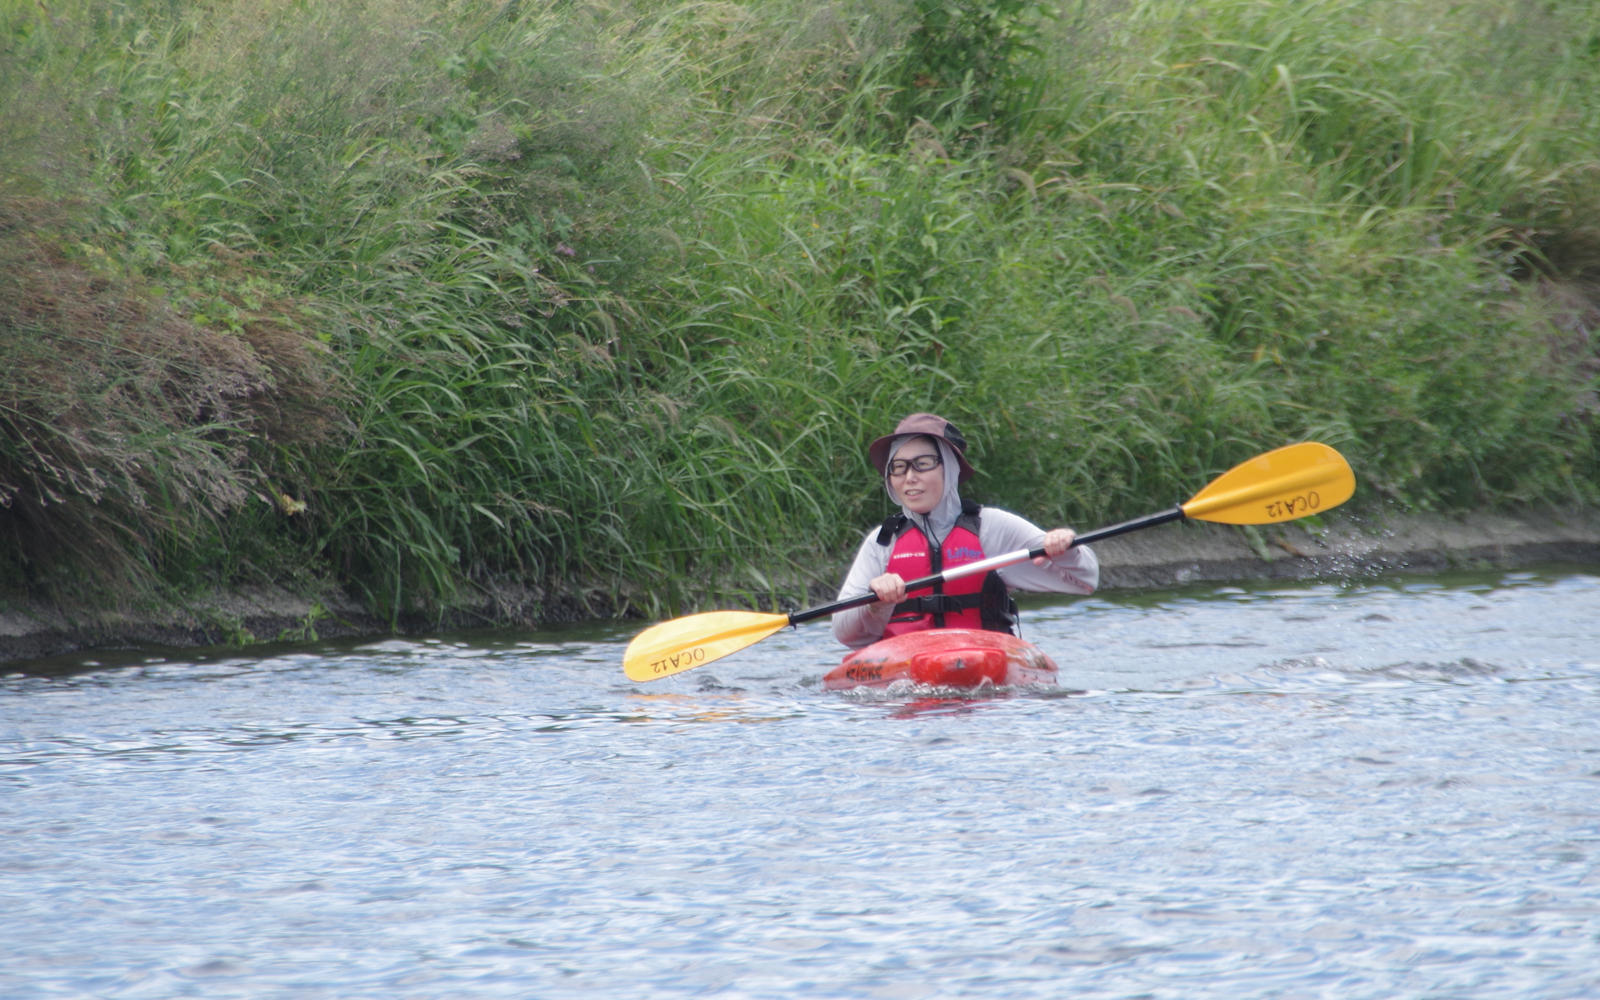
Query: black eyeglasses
(922,463)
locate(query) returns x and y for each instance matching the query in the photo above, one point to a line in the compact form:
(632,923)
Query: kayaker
(923,464)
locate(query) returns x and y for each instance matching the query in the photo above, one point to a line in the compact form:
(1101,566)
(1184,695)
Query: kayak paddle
(1278,486)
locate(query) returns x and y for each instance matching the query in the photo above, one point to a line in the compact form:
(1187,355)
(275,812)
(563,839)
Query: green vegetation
(610,296)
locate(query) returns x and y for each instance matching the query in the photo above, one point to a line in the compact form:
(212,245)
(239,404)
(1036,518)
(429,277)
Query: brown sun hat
(922,423)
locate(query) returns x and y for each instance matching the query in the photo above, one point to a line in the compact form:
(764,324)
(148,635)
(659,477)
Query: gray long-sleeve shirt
(1075,571)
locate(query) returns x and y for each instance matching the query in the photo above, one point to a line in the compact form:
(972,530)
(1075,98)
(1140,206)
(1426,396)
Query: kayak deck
(959,658)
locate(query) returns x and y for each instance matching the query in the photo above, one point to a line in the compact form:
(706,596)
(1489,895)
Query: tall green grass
(610,298)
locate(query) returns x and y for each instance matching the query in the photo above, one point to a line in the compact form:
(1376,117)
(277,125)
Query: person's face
(920,492)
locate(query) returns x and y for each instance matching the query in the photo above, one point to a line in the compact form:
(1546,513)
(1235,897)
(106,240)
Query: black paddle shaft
(1148,521)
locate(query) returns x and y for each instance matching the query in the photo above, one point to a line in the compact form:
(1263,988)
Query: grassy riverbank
(609,296)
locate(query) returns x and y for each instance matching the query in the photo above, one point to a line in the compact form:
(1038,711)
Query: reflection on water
(1319,791)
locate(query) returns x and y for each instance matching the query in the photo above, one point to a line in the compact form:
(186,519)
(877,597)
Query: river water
(1380,789)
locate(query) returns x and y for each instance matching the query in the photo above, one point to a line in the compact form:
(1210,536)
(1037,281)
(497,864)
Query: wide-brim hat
(930,424)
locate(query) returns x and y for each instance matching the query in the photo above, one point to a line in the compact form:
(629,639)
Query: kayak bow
(946,657)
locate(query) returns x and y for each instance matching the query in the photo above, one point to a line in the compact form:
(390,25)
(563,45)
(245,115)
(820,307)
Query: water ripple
(1383,790)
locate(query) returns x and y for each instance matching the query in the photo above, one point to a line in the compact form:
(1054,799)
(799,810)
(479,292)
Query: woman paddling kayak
(923,464)
(1271,488)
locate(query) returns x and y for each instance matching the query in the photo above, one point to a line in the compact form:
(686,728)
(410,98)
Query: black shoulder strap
(892,526)
(969,515)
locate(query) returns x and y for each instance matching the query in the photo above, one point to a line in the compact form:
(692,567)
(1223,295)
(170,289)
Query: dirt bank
(1351,547)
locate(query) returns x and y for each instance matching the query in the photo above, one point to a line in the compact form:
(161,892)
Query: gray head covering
(936,524)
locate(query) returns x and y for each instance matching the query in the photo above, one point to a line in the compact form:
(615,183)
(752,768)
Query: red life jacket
(975,602)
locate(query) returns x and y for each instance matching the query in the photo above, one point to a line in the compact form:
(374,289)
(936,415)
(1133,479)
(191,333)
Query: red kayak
(945,657)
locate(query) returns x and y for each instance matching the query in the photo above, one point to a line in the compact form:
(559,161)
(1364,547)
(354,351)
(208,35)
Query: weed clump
(128,430)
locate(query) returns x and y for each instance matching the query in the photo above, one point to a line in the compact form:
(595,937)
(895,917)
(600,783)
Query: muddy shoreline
(1351,547)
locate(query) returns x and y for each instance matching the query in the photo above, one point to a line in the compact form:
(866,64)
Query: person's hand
(890,588)
(1055,543)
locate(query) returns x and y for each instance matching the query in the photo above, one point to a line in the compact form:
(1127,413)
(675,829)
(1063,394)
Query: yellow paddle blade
(685,643)
(1278,486)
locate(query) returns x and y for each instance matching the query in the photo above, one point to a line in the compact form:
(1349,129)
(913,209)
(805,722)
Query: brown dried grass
(126,430)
